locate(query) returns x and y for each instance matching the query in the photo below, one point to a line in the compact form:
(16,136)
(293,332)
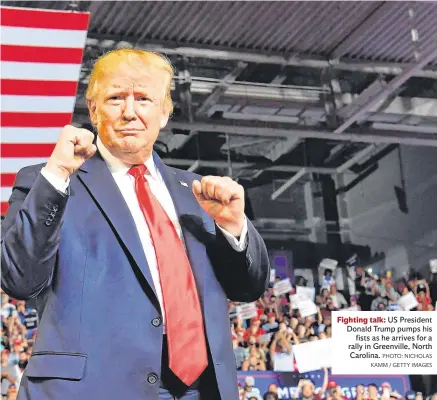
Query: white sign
(294,301)
(433,266)
(272,275)
(282,287)
(328,263)
(408,301)
(312,356)
(283,362)
(247,311)
(307,308)
(308,293)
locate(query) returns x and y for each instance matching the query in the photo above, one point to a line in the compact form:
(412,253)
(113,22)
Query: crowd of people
(264,342)
(19,326)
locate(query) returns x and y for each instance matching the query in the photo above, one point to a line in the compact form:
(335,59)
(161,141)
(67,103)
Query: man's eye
(115,98)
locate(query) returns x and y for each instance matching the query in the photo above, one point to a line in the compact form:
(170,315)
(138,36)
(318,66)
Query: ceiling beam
(180,162)
(357,157)
(271,129)
(387,90)
(220,89)
(299,174)
(111,41)
(282,130)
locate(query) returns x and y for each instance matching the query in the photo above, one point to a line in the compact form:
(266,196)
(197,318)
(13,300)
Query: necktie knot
(138,170)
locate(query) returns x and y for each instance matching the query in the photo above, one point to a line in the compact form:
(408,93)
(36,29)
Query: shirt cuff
(58,183)
(237,244)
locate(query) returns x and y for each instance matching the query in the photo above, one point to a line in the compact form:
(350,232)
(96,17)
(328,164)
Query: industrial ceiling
(279,91)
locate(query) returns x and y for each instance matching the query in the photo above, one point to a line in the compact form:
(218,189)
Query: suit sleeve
(243,275)
(31,234)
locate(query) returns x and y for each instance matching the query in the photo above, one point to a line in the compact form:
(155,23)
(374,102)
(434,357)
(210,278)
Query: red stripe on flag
(4,207)
(38,88)
(27,18)
(41,54)
(35,120)
(26,150)
(7,180)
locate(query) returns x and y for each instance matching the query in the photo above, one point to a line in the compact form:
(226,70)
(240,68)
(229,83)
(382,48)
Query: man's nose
(129,112)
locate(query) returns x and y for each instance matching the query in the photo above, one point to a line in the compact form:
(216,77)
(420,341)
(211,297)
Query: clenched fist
(223,200)
(74,147)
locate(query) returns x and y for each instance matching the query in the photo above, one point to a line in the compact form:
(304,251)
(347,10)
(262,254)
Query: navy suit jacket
(78,255)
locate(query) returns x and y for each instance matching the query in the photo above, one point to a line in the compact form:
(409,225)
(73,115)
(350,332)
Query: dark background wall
(394,210)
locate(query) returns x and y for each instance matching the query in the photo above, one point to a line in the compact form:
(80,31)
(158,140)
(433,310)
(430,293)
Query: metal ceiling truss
(112,41)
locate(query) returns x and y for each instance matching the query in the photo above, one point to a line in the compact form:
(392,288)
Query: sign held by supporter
(272,275)
(305,293)
(433,266)
(282,287)
(314,355)
(408,301)
(247,311)
(307,308)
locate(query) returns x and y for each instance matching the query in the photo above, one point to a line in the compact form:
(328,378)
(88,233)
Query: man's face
(360,390)
(129,111)
(273,388)
(373,391)
(307,390)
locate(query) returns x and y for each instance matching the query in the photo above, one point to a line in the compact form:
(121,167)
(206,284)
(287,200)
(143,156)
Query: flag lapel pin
(183,183)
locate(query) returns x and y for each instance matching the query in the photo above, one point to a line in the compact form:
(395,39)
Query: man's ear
(92,111)
(165,115)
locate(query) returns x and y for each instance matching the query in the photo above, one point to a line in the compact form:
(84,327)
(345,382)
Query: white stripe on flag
(40,71)
(5,193)
(13,165)
(43,37)
(30,135)
(44,104)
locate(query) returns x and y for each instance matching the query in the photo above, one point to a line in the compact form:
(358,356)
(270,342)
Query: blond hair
(113,59)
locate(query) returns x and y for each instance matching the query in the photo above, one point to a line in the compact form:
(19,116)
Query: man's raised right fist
(74,147)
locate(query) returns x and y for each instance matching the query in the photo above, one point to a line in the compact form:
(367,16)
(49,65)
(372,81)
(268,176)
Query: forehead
(138,76)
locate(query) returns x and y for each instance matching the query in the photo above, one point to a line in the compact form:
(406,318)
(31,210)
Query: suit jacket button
(156,322)
(152,378)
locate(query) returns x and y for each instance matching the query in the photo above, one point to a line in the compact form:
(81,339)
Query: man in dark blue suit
(130,262)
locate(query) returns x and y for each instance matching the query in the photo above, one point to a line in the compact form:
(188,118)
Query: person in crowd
(28,317)
(338,300)
(328,279)
(271,324)
(239,352)
(360,390)
(335,391)
(306,389)
(373,391)
(9,373)
(105,215)
(422,293)
(250,391)
(270,396)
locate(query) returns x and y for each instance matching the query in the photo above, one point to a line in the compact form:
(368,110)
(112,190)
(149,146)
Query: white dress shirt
(125,183)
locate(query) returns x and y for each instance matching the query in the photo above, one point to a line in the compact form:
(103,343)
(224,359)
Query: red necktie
(184,323)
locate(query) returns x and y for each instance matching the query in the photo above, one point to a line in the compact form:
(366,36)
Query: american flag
(41,56)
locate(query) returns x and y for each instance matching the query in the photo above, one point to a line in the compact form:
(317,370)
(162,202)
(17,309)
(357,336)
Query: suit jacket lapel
(97,178)
(193,226)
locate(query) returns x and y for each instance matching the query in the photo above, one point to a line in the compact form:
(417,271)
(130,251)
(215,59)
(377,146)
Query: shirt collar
(118,167)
